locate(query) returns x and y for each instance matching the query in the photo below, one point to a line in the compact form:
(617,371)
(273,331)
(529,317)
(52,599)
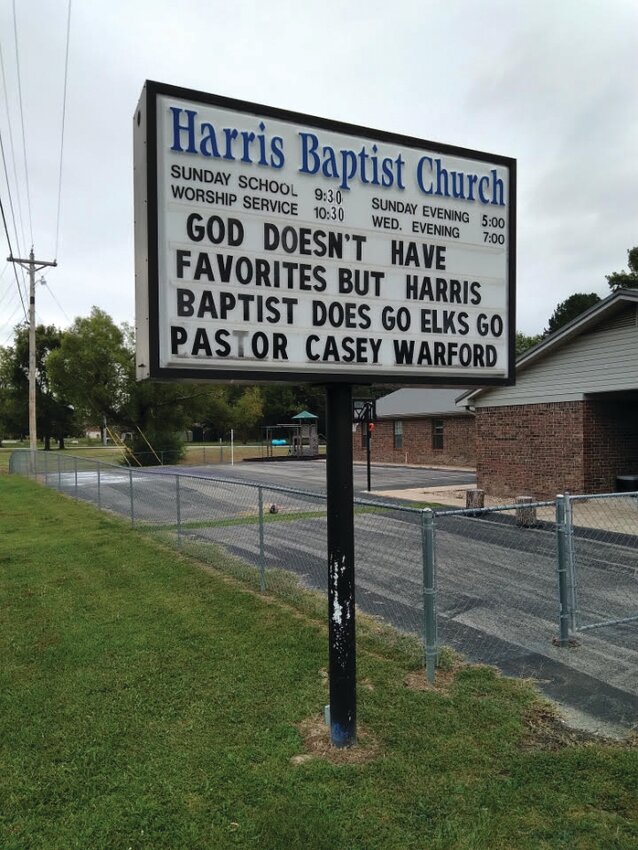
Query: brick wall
(458,442)
(611,443)
(531,450)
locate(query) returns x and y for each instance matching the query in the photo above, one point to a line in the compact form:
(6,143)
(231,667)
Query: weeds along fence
(196,455)
(204,455)
(526,589)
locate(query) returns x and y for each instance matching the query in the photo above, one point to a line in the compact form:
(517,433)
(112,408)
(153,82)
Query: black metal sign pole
(368,443)
(341,609)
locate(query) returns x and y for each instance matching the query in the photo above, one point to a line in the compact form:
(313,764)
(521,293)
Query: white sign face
(273,246)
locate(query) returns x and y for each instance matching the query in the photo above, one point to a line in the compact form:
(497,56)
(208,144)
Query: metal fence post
(429,593)
(262,551)
(130,484)
(562,561)
(59,473)
(75,470)
(572,581)
(178,510)
(99,485)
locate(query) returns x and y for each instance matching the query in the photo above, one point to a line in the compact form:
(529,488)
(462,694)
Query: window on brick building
(437,433)
(398,434)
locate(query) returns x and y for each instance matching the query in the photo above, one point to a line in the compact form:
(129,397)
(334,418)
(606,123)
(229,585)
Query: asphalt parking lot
(311,475)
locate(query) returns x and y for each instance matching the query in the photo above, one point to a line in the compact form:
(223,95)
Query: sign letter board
(275,246)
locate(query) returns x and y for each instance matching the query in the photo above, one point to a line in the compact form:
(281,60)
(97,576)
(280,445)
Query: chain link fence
(498,585)
(605,560)
(548,590)
(200,455)
(204,455)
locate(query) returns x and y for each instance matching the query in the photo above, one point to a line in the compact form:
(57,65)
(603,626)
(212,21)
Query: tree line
(85,376)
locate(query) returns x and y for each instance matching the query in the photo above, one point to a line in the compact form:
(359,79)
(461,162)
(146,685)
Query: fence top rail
(218,479)
(584,497)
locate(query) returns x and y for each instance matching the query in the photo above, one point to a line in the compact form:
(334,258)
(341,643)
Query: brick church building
(570,423)
(421,427)
(571,420)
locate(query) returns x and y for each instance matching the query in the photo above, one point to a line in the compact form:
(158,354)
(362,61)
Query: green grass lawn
(5,454)
(146,702)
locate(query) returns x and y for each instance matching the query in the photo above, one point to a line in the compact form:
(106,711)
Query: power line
(52,294)
(10,334)
(15,272)
(13,157)
(12,212)
(66,76)
(6,176)
(9,291)
(24,138)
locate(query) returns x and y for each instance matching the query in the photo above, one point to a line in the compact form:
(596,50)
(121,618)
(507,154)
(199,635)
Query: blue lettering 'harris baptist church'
(256,147)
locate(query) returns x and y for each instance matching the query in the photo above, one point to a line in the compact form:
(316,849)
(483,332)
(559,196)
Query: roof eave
(577,326)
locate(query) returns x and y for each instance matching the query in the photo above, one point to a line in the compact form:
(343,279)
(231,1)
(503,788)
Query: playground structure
(300,436)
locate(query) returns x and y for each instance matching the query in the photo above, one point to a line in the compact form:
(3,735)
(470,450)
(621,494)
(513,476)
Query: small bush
(167,449)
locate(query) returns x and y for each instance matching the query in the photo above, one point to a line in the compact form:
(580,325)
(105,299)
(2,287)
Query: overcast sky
(552,84)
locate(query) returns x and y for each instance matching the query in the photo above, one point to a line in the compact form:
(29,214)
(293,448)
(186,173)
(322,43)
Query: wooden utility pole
(32,266)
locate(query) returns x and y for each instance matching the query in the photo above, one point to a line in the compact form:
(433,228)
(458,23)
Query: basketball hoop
(364,410)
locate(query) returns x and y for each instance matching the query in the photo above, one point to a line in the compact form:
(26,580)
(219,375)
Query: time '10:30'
(335,211)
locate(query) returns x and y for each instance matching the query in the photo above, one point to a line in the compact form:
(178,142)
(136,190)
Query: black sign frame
(152,369)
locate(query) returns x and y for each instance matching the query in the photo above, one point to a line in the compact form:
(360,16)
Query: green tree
(629,279)
(216,415)
(91,367)
(55,416)
(283,401)
(13,405)
(523,342)
(280,403)
(157,414)
(248,413)
(570,309)
(95,367)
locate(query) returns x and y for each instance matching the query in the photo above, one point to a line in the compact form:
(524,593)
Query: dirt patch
(546,730)
(444,679)
(316,740)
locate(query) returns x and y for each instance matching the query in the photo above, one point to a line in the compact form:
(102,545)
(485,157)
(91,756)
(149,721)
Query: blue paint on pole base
(343,736)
